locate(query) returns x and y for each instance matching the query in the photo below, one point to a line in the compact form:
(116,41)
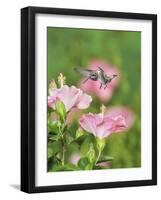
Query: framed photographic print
(88,99)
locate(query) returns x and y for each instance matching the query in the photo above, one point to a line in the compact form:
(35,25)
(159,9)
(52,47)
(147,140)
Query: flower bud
(100,143)
(61,80)
(60,110)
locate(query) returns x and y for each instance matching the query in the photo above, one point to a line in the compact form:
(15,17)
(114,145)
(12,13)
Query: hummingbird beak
(114,75)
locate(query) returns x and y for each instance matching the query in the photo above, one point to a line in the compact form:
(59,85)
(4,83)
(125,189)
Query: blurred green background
(69,47)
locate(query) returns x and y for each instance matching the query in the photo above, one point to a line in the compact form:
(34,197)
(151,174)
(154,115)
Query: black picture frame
(28,98)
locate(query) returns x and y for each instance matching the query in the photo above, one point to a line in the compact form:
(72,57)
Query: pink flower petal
(87,122)
(105,129)
(125,112)
(104,164)
(74,158)
(84,101)
(101,125)
(52,99)
(69,96)
(72,97)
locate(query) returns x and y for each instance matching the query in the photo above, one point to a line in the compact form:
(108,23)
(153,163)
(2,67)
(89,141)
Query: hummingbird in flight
(96,75)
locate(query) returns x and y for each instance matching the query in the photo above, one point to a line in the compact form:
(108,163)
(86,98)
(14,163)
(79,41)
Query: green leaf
(84,163)
(68,138)
(53,137)
(60,110)
(54,127)
(79,132)
(105,159)
(79,140)
(66,167)
(50,110)
(100,167)
(86,145)
(54,148)
(73,147)
(53,161)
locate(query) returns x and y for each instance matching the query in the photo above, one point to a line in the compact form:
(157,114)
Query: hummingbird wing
(101,69)
(83,72)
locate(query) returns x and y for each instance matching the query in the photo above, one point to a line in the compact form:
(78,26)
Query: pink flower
(123,111)
(74,158)
(103,164)
(72,97)
(93,87)
(101,125)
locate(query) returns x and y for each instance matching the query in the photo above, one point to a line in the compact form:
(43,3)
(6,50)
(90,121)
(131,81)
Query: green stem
(100,147)
(63,152)
(63,144)
(62,131)
(99,154)
(63,157)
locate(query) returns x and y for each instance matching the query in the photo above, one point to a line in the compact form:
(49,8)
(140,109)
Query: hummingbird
(96,75)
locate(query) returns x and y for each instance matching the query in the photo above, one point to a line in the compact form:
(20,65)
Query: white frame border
(42,178)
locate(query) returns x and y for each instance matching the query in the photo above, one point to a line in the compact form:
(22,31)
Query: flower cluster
(82,149)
